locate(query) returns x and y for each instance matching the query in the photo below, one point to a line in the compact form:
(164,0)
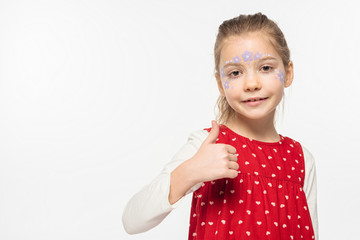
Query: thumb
(214,133)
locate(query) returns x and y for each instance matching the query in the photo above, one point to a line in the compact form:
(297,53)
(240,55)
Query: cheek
(276,79)
(280,76)
(274,85)
(232,89)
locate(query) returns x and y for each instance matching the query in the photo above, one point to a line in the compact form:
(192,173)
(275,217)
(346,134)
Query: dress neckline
(253,140)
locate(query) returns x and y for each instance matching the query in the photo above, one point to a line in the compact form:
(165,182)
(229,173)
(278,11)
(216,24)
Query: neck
(257,129)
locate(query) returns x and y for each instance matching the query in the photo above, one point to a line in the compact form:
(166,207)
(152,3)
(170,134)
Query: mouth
(255,99)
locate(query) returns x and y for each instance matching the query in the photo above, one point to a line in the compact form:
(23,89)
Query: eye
(234,74)
(266,68)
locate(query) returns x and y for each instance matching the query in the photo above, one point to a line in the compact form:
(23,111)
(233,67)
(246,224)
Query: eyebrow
(229,64)
(268,58)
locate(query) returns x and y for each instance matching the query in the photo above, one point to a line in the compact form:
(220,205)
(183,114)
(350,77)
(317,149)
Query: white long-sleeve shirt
(147,208)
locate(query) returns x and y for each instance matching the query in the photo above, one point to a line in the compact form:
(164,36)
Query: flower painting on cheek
(280,76)
(226,84)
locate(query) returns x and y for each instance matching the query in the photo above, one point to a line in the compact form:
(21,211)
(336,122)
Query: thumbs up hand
(214,161)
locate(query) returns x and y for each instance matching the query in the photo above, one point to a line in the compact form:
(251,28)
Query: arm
(310,189)
(147,208)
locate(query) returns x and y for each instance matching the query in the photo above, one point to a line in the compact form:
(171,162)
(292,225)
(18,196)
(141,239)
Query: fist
(214,161)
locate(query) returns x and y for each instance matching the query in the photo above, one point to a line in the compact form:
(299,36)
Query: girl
(248,181)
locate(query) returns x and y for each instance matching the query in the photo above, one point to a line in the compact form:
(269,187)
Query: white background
(97,96)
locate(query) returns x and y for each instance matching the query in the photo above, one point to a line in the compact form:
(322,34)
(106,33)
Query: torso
(266,199)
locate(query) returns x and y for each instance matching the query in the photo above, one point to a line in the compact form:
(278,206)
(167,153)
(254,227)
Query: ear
(219,84)
(289,74)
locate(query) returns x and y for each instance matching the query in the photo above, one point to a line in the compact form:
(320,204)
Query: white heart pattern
(280,177)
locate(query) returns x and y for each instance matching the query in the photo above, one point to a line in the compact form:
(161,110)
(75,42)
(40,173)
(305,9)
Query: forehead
(251,42)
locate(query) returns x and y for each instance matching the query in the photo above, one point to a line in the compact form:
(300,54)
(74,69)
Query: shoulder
(308,156)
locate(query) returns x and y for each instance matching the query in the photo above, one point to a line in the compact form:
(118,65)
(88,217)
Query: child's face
(249,68)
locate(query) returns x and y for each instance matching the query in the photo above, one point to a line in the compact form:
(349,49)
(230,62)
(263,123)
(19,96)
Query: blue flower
(281,76)
(222,72)
(226,84)
(257,56)
(247,56)
(236,59)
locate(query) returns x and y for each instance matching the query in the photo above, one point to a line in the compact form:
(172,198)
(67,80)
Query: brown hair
(240,25)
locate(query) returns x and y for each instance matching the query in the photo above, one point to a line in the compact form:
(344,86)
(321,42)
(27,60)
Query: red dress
(266,199)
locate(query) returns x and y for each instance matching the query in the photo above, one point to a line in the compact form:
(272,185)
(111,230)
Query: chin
(256,116)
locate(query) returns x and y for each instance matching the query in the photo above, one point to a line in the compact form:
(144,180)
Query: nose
(252,82)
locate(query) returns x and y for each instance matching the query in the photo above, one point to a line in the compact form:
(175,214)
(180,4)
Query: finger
(233,165)
(230,149)
(214,133)
(232,173)
(233,157)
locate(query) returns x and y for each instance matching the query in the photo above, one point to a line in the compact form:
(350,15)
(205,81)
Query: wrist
(189,173)
(182,179)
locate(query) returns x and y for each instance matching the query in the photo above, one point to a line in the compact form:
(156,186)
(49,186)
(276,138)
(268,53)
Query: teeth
(255,100)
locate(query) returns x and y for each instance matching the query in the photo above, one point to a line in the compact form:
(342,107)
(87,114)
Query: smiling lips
(253,102)
(255,99)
